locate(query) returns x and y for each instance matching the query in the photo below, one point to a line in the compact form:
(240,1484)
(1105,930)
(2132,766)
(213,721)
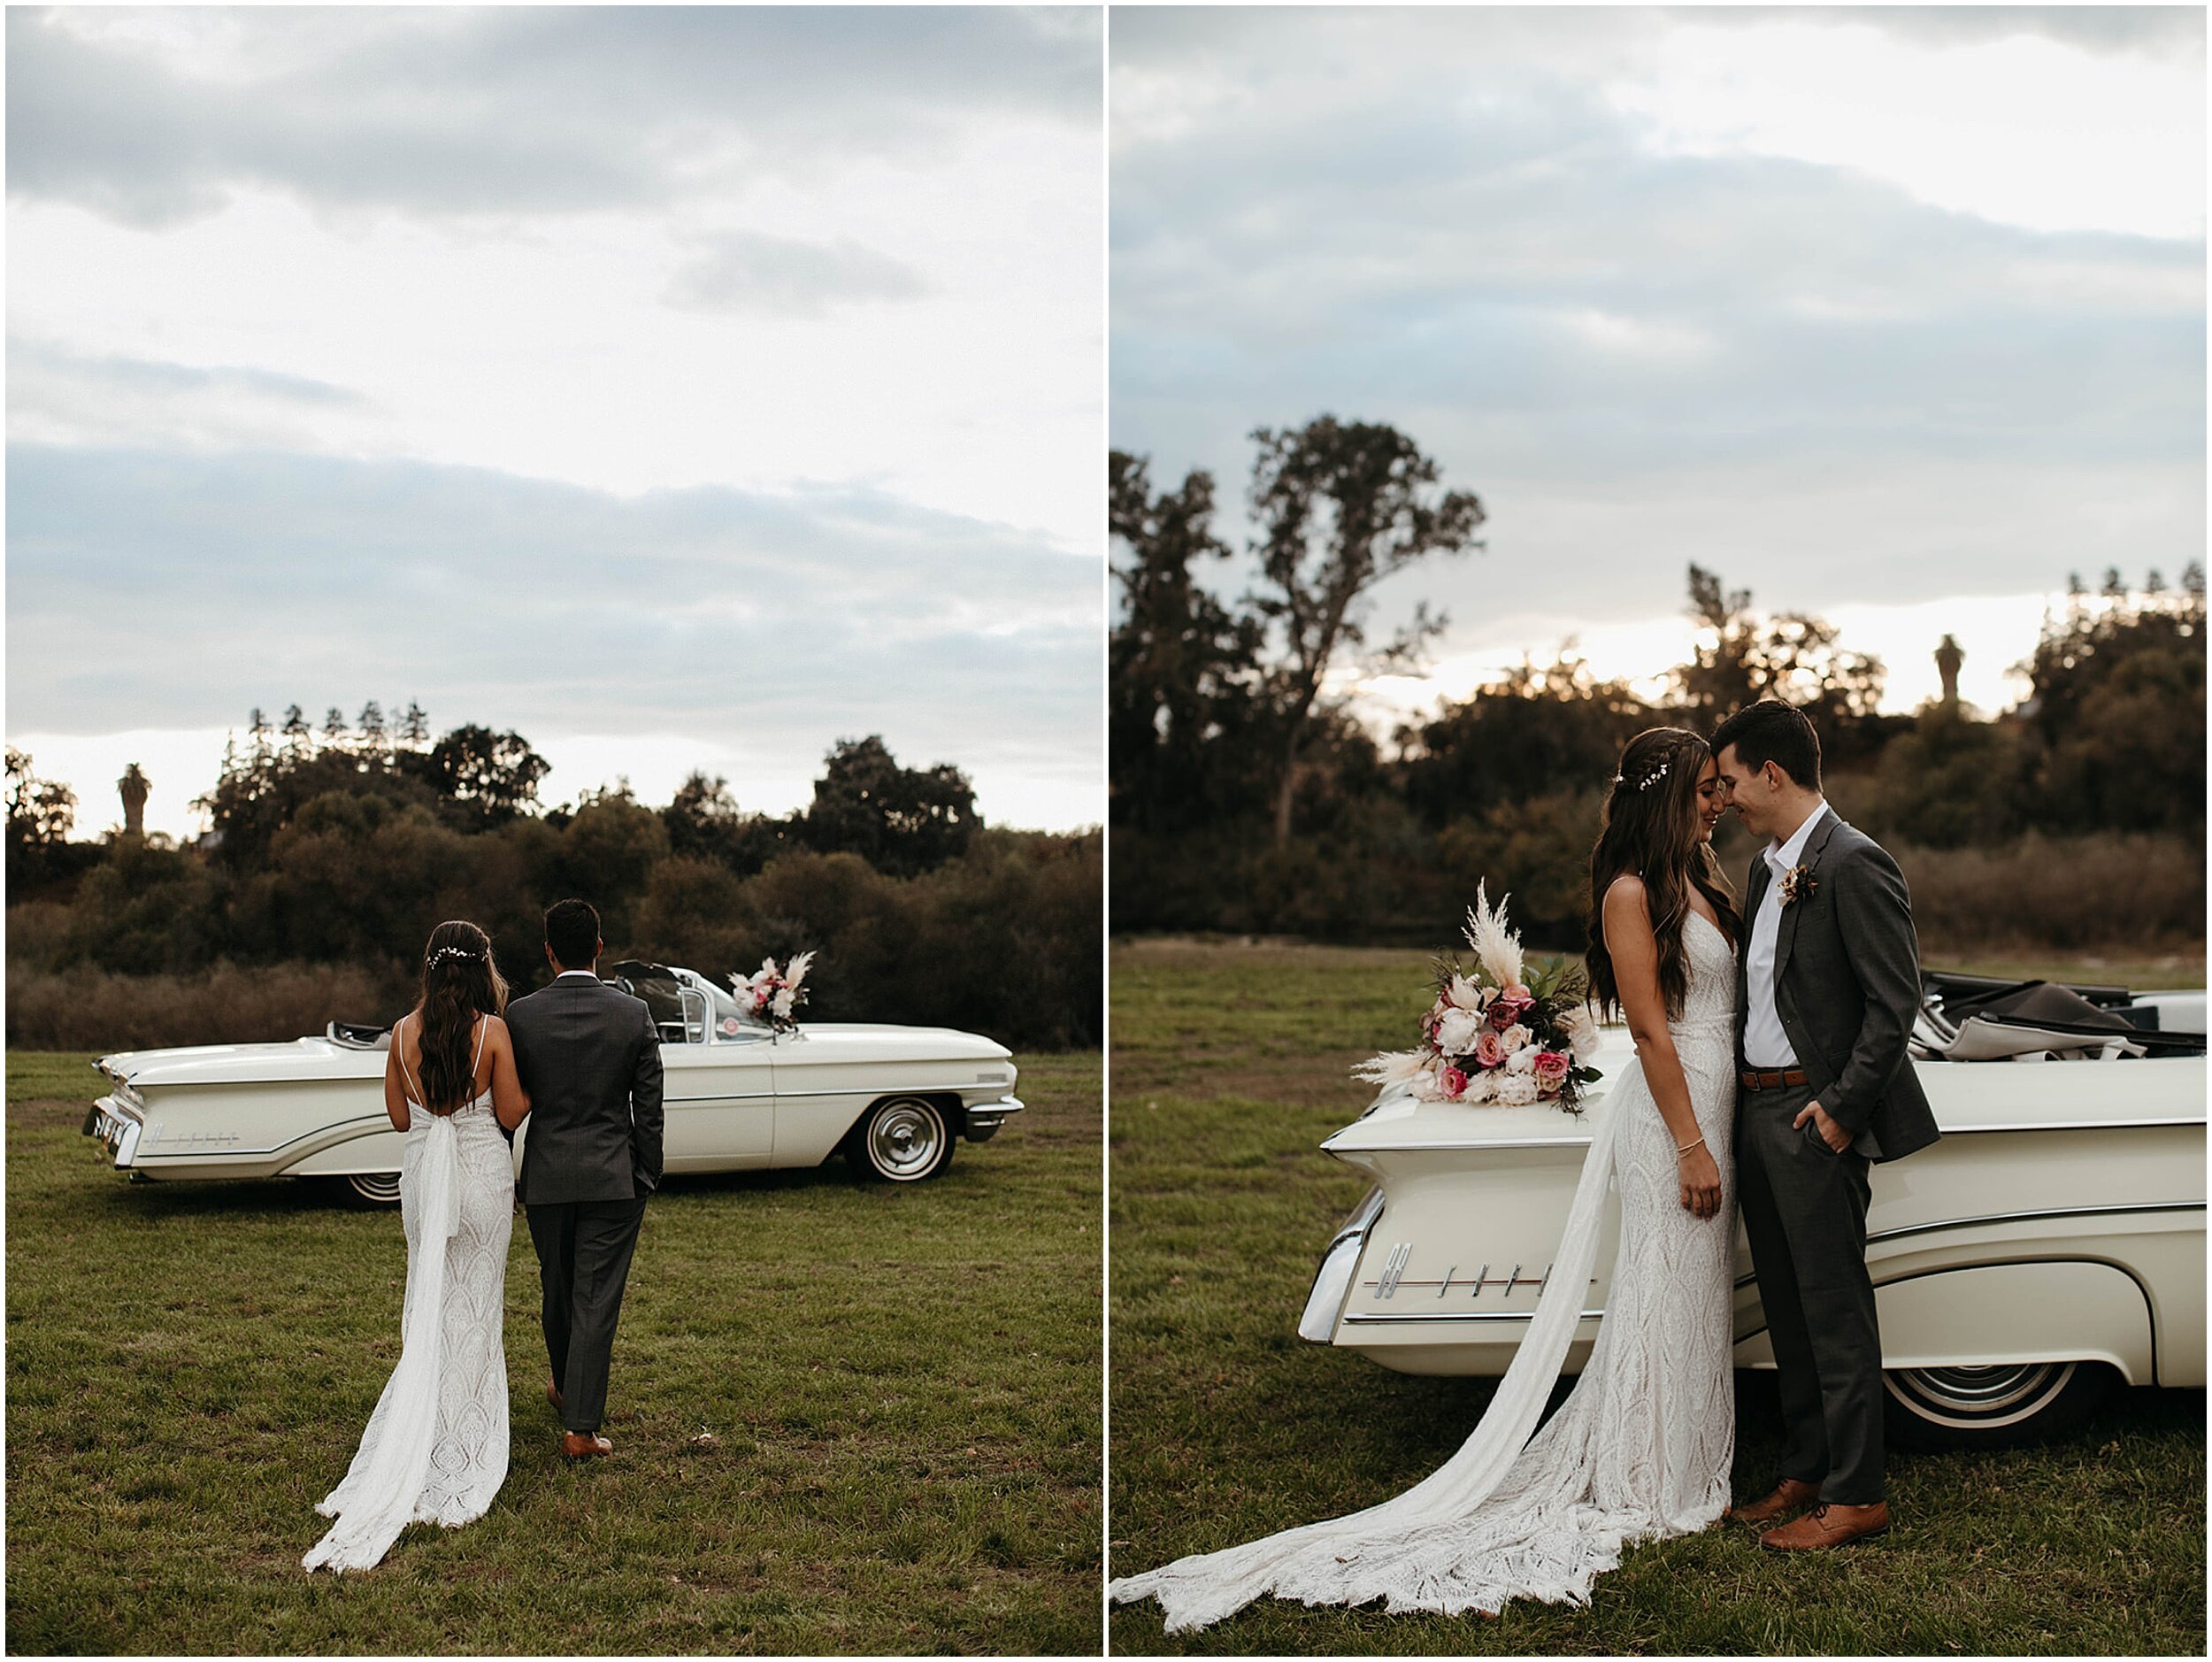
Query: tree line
(347,845)
(1245,798)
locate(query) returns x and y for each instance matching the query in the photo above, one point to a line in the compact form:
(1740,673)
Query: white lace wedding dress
(1642,1446)
(435,1449)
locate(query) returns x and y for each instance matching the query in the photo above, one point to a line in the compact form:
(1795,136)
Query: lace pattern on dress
(1642,1446)
(435,1449)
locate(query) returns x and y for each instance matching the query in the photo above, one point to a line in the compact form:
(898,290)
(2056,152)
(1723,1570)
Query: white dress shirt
(588,974)
(1764,1043)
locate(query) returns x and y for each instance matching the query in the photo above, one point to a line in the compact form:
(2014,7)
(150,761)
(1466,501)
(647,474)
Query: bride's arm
(395,1107)
(1634,950)
(509,1102)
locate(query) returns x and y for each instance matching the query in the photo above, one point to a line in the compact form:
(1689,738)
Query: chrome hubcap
(381,1187)
(904,1138)
(2003,1394)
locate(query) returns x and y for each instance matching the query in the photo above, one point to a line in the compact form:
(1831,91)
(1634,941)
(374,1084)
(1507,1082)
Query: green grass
(1229,1066)
(848,1417)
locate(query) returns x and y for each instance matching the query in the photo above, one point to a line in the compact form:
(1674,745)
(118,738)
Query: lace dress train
(1642,1446)
(435,1449)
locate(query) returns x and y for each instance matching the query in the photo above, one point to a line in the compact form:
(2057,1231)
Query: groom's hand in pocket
(1831,1133)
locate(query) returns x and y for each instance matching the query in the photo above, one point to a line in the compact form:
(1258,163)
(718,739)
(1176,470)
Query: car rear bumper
(984,1118)
(117,1129)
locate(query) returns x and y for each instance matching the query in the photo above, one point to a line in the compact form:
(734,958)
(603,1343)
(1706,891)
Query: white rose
(1517,1090)
(1522,1061)
(1514,1038)
(1456,1033)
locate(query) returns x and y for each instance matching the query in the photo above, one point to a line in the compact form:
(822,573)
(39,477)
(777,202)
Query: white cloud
(723,378)
(2024,129)
(1780,363)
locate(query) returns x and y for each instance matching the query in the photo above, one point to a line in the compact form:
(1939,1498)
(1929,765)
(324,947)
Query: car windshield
(663,990)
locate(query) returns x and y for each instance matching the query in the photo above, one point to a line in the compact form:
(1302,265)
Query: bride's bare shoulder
(1627,896)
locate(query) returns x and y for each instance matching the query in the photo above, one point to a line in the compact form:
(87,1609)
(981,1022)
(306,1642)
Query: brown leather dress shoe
(1790,1496)
(1828,1525)
(584,1445)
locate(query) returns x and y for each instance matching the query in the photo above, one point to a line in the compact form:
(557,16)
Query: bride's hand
(1701,1182)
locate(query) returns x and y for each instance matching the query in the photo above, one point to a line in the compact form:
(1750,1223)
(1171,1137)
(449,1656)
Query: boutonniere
(1797,883)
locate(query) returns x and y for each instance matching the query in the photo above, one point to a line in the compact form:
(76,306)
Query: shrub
(2109,891)
(87,1009)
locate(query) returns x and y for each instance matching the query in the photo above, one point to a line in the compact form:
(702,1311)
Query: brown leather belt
(1771,1077)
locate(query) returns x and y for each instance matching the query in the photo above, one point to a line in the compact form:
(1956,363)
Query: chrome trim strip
(1351,1316)
(2028,1217)
(2123,1208)
(2071,1125)
(873,1089)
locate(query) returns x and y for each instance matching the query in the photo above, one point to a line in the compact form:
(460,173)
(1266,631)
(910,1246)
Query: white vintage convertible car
(2052,1242)
(736,1095)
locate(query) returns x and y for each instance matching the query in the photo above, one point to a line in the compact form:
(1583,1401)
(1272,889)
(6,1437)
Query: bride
(435,1449)
(1642,1446)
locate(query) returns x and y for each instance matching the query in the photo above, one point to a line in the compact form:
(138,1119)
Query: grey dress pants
(1804,1211)
(584,1249)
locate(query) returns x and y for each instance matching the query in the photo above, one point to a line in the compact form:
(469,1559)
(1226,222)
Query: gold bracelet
(1684,1149)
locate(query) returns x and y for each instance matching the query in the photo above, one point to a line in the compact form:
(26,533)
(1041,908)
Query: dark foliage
(1504,785)
(40,814)
(1182,669)
(899,820)
(347,855)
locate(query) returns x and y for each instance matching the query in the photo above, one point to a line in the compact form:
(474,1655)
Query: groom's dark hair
(571,929)
(1771,731)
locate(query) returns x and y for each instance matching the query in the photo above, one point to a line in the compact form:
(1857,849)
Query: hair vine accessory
(445,952)
(1648,780)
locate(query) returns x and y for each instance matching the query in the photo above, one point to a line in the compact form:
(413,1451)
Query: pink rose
(1551,1066)
(1489,1050)
(1452,1082)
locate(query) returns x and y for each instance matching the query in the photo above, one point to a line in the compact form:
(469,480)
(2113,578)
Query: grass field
(847,1418)
(1229,1066)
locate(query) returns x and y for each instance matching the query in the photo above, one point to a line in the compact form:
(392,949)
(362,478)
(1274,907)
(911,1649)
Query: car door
(718,1096)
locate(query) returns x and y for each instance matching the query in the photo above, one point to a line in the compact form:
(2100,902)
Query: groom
(589,1059)
(1827,987)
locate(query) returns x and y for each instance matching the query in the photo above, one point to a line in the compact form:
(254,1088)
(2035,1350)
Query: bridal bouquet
(1502,1032)
(774,994)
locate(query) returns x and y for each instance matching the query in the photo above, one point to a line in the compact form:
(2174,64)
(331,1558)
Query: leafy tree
(40,810)
(41,814)
(1545,727)
(489,777)
(1181,669)
(1791,656)
(704,822)
(899,819)
(2117,714)
(609,850)
(1341,506)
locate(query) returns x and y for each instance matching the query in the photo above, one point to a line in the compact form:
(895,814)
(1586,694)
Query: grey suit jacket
(589,1058)
(1846,986)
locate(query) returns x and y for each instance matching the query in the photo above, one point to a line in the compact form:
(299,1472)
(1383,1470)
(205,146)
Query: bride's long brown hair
(1650,828)
(459,983)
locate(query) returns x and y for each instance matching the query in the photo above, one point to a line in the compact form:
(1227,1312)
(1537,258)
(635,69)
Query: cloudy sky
(1893,315)
(683,388)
